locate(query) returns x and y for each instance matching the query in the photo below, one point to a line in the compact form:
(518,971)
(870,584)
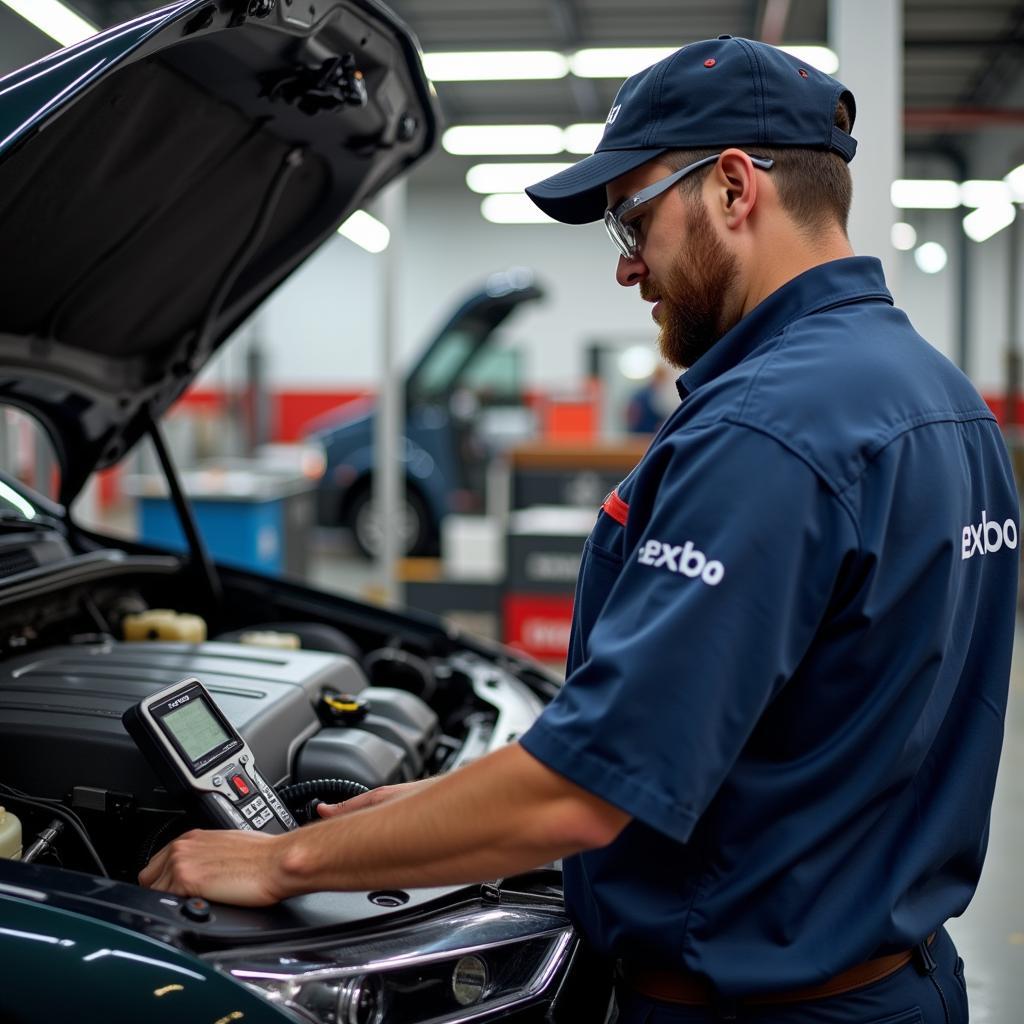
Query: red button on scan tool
(240,787)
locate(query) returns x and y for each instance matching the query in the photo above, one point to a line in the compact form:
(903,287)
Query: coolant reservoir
(10,836)
(165,624)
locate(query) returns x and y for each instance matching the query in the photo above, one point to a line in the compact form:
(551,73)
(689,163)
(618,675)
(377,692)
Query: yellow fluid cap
(271,638)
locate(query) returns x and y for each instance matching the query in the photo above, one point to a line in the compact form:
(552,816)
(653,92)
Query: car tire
(419,532)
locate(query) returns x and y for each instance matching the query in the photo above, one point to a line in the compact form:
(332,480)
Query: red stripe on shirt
(616,508)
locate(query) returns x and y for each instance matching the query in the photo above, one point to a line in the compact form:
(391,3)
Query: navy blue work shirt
(791,647)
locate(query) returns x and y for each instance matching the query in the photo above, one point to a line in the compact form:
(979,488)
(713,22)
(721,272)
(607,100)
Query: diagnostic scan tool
(196,750)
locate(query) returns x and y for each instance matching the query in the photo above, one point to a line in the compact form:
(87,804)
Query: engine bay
(371,697)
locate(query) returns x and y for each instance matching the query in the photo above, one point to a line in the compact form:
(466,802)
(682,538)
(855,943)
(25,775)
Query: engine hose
(414,666)
(301,798)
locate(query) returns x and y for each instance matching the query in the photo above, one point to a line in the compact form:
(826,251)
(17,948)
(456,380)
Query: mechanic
(644,412)
(775,751)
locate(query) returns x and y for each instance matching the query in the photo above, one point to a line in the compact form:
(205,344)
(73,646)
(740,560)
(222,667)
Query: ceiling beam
(1001,69)
(959,119)
(585,92)
(967,44)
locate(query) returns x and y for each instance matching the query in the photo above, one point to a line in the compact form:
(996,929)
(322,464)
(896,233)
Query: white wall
(930,300)
(320,330)
(933,300)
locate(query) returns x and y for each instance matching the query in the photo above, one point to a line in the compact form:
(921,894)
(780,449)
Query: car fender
(60,965)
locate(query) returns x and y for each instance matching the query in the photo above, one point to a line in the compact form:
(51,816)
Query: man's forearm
(503,814)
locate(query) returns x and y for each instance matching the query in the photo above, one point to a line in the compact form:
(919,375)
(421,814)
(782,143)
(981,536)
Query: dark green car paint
(59,966)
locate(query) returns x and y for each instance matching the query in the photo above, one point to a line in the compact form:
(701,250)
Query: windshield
(495,376)
(436,374)
(26,456)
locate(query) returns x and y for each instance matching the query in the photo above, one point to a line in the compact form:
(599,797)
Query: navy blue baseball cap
(717,92)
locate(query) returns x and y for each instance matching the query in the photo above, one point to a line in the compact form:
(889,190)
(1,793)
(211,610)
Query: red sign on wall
(538,624)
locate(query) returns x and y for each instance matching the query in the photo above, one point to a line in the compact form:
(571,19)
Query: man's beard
(693,294)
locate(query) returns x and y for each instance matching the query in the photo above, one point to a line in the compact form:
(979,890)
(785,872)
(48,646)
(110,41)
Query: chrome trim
(28,894)
(453,934)
(396,963)
(446,937)
(553,961)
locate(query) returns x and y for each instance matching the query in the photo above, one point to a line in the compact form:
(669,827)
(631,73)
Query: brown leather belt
(693,990)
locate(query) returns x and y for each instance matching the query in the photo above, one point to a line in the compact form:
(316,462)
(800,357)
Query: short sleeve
(719,596)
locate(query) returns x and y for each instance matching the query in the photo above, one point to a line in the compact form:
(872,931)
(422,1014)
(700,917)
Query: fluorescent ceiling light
(616,63)
(495,66)
(513,208)
(366,231)
(503,139)
(985,193)
(918,194)
(522,139)
(53,18)
(488,178)
(903,236)
(987,221)
(583,138)
(1015,179)
(820,57)
(930,257)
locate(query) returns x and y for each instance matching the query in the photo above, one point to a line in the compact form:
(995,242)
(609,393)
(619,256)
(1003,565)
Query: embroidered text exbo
(682,558)
(988,536)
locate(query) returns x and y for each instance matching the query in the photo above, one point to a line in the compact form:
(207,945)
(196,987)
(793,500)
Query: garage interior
(534,410)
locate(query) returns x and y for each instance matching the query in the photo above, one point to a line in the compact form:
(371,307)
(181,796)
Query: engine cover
(60,710)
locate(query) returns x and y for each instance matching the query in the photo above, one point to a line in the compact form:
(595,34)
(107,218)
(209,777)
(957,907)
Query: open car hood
(467,334)
(159,180)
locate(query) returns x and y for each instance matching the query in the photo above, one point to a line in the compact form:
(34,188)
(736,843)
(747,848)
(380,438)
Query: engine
(306,714)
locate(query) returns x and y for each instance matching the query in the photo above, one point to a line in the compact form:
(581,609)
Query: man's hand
(381,795)
(220,864)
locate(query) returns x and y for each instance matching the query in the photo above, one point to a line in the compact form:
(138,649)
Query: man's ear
(734,179)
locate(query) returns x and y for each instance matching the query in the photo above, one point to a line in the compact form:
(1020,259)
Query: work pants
(909,996)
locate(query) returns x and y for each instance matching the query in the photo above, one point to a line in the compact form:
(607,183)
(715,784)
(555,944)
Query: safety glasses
(623,233)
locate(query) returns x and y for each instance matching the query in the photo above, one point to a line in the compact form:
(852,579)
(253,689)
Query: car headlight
(465,964)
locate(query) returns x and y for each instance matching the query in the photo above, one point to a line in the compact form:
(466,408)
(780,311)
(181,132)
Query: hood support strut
(200,560)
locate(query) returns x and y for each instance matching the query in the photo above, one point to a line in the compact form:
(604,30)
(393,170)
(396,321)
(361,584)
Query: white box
(472,548)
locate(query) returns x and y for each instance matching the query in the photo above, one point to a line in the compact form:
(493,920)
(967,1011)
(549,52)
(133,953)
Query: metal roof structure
(963,66)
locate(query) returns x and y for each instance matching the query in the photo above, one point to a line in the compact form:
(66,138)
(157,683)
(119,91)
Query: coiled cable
(301,798)
(159,837)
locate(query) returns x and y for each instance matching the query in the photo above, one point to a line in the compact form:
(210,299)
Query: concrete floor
(990,935)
